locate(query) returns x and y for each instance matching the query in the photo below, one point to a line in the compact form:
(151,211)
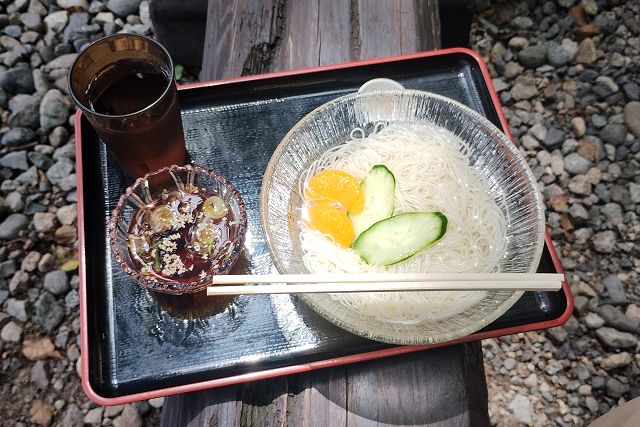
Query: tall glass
(125,86)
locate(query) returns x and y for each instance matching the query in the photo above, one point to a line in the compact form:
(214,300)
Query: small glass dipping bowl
(145,192)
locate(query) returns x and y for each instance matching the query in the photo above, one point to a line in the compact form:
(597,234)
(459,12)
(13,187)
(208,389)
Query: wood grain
(440,387)
(258,36)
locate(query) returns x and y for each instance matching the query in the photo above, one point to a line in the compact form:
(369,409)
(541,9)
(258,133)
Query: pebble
(56,282)
(17,309)
(593,321)
(615,361)
(586,53)
(39,375)
(15,160)
(54,109)
(94,416)
(123,7)
(68,4)
(579,126)
(616,339)
(617,319)
(13,225)
(67,214)
(72,299)
(613,134)
(7,268)
(521,408)
(557,55)
(48,312)
(575,164)
(533,56)
(18,283)
(56,21)
(11,332)
(580,184)
(17,80)
(157,402)
(632,117)
(44,222)
(615,388)
(73,416)
(60,170)
(605,241)
(17,136)
(612,283)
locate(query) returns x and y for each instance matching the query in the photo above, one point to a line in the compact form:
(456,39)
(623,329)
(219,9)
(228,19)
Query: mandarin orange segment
(329,219)
(335,185)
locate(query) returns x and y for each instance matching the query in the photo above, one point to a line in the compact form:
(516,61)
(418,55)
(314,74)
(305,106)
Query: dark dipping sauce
(183,237)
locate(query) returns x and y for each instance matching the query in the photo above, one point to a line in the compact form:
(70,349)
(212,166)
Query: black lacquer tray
(136,345)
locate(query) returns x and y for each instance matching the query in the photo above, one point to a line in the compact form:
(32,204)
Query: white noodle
(432,172)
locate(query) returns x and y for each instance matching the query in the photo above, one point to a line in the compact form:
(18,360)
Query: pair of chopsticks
(334,283)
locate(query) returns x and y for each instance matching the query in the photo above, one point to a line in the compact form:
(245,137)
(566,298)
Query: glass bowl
(509,179)
(145,192)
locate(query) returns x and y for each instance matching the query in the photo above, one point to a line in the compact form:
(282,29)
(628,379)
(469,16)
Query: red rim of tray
(304,367)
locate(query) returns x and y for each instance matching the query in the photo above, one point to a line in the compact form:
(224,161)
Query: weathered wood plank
(258,36)
(442,387)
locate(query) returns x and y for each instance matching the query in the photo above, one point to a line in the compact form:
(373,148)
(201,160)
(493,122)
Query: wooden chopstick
(335,283)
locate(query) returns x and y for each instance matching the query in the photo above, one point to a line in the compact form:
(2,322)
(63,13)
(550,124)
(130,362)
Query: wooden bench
(440,387)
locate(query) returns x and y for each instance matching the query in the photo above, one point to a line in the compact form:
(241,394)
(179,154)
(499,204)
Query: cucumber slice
(379,188)
(397,238)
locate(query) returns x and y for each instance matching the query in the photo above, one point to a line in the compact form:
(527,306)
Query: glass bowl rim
(499,137)
(164,286)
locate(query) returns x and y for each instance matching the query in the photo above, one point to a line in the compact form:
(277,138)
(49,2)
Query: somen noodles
(433,173)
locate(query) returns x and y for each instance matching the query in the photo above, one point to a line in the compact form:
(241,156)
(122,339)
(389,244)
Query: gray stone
(123,7)
(591,404)
(73,416)
(17,80)
(39,375)
(586,52)
(634,192)
(13,225)
(11,332)
(557,334)
(75,26)
(632,117)
(44,222)
(72,300)
(32,21)
(56,282)
(62,62)
(580,184)
(553,138)
(157,402)
(46,263)
(30,177)
(112,411)
(509,363)
(598,121)
(24,111)
(581,372)
(533,56)
(615,361)
(580,304)
(598,382)
(60,170)
(42,161)
(612,212)
(94,416)
(17,309)
(615,289)
(7,268)
(579,126)
(631,90)
(613,134)
(18,283)
(13,31)
(521,408)
(512,69)
(54,110)
(522,22)
(67,214)
(575,164)
(593,321)
(30,262)
(616,339)
(56,21)
(615,388)
(521,91)
(617,319)
(15,160)
(67,4)
(17,136)
(58,136)
(605,241)
(15,201)
(557,55)
(48,312)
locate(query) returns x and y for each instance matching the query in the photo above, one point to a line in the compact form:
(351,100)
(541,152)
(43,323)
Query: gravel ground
(567,75)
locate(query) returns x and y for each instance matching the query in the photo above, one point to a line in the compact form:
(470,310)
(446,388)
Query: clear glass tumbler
(125,86)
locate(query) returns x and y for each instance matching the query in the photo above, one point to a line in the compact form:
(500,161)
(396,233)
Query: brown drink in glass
(125,86)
